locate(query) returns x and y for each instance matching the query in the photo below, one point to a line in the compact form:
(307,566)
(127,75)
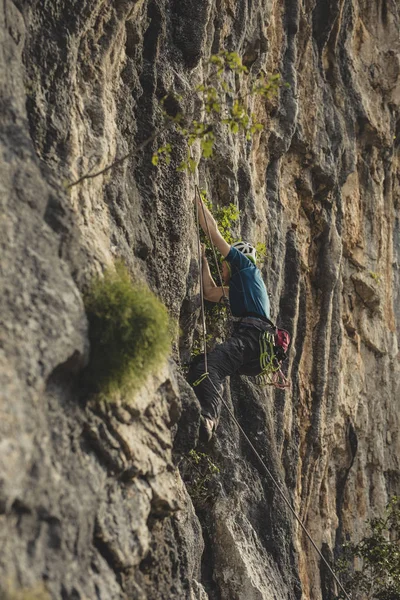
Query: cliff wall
(94,496)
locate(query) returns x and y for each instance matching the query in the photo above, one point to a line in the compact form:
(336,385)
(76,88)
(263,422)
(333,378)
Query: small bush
(377,576)
(219,102)
(261,250)
(199,475)
(129,332)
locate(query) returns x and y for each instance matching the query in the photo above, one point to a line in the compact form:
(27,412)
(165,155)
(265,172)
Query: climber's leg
(226,359)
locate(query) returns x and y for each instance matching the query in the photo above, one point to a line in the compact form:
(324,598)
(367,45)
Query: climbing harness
(269,361)
(272,354)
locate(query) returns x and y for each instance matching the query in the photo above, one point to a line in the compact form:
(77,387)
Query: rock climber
(249,305)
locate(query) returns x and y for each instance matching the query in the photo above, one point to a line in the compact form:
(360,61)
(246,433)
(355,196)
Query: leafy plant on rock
(261,250)
(371,568)
(199,477)
(220,104)
(129,332)
(377,277)
(225,217)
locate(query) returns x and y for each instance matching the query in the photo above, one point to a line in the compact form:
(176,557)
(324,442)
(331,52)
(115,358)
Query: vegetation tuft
(221,104)
(225,217)
(199,474)
(377,277)
(370,569)
(129,332)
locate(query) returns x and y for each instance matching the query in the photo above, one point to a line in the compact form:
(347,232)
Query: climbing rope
(280,490)
(205,374)
(203,317)
(261,461)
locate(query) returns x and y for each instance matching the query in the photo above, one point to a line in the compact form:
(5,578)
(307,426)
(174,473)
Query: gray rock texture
(103,501)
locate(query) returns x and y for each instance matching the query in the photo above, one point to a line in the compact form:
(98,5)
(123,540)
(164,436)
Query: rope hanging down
(261,461)
(203,316)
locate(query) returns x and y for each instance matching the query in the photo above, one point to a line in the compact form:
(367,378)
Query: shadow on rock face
(190,20)
(187,432)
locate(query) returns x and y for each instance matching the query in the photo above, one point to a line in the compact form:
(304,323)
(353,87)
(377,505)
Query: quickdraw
(200,379)
(270,363)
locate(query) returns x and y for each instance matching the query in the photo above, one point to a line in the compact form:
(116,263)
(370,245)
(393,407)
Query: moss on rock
(129,332)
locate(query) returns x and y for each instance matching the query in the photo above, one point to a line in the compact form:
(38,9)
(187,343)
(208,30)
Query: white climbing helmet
(246,249)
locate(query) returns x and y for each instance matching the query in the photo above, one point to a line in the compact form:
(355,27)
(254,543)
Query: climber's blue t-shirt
(247,291)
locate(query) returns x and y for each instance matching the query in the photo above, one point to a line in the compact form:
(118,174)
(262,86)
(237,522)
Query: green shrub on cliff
(129,332)
(370,569)
(222,103)
(200,476)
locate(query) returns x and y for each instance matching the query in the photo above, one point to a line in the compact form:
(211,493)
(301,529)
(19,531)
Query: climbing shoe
(207,428)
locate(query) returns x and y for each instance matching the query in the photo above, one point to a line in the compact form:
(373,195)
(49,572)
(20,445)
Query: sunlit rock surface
(102,501)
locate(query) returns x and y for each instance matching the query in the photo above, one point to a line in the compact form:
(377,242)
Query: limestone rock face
(104,500)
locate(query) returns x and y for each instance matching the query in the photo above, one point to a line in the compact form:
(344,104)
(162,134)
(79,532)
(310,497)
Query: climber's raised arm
(210,228)
(212,292)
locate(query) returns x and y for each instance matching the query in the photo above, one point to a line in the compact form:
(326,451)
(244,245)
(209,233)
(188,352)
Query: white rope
(281,492)
(268,472)
(203,317)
